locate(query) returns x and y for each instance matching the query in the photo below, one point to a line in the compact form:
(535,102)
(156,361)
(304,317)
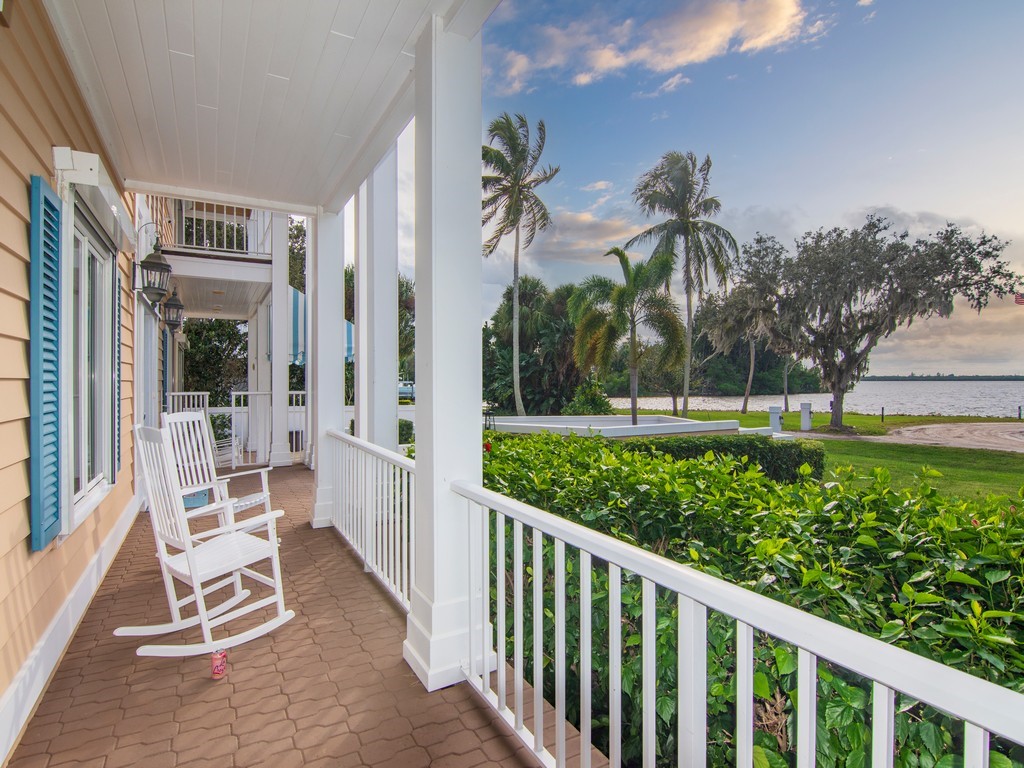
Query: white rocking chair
(196,459)
(206,562)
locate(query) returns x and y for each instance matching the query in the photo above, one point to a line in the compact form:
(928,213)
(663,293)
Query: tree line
(830,300)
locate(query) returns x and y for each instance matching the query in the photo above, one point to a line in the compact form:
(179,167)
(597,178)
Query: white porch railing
(297,423)
(250,425)
(178,402)
(374,507)
(984,707)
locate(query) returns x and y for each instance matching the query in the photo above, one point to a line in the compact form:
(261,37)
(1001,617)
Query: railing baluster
(485,601)
(692,674)
(586,629)
(614,665)
(538,640)
(650,672)
(499,605)
(975,746)
(517,632)
(883,726)
(807,708)
(744,695)
(560,652)
(475,570)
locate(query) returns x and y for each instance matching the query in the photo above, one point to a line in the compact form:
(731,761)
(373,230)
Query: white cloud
(869,17)
(591,49)
(663,115)
(597,186)
(865,2)
(666,87)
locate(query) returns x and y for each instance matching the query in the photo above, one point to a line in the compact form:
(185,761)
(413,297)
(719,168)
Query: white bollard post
(775,417)
(805,416)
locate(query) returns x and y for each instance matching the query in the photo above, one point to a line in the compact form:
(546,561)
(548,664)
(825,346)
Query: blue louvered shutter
(44,363)
(117,368)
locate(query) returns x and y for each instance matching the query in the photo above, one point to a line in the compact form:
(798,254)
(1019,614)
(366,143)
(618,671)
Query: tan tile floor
(329,688)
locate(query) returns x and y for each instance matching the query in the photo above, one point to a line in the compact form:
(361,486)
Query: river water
(948,398)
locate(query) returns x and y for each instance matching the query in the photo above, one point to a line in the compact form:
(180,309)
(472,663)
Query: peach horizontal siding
(40,107)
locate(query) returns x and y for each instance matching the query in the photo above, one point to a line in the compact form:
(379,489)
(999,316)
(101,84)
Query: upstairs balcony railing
(219,229)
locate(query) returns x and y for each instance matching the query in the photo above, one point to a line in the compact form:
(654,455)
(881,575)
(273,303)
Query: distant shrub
(406,430)
(780,460)
(589,400)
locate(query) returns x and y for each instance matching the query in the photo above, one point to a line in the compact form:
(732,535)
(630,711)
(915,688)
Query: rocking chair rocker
(206,561)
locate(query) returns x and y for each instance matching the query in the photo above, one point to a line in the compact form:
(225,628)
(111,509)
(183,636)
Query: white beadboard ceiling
(254,99)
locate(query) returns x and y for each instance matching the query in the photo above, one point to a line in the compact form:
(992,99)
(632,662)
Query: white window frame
(79,505)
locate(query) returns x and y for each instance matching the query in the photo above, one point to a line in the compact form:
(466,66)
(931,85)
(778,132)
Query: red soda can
(218,664)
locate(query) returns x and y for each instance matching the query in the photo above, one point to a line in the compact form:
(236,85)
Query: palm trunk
(689,351)
(520,409)
(675,404)
(750,376)
(634,369)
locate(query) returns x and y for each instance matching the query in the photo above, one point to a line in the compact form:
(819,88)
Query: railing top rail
(188,392)
(987,705)
(397,459)
(235,393)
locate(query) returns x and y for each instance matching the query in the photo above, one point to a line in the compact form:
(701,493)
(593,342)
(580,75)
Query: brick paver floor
(329,688)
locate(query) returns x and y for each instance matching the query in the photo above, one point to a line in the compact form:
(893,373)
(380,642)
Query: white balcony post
(381,314)
(328,358)
(448,347)
(361,314)
(280,450)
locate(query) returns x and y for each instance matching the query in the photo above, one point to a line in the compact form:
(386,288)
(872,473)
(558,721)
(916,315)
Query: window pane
(95,363)
(76,379)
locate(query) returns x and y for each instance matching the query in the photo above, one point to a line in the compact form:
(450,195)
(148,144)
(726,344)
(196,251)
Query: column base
(322,514)
(281,455)
(437,657)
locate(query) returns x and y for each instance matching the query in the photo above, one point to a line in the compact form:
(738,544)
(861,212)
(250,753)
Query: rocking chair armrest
(261,470)
(226,504)
(242,526)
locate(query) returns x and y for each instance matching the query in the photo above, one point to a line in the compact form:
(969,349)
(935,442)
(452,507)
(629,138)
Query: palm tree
(678,188)
(604,311)
(511,202)
(743,313)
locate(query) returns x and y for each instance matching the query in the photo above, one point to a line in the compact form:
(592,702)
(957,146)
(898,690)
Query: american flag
(1018,298)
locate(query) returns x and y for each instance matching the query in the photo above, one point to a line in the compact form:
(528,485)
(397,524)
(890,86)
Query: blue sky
(813,113)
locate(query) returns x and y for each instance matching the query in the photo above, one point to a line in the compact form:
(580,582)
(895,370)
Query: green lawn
(966,472)
(860,423)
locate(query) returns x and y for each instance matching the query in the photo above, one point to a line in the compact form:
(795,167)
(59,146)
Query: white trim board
(19,701)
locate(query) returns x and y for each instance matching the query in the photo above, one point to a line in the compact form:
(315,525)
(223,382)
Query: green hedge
(940,577)
(780,460)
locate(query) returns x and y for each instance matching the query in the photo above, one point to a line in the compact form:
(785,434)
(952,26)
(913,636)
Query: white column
(328,352)
(381,285)
(361,315)
(262,348)
(448,354)
(280,450)
(253,344)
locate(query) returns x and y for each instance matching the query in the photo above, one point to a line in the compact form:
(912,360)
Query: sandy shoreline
(999,436)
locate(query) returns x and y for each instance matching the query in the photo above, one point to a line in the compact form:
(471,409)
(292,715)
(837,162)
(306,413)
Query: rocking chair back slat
(166,507)
(190,440)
